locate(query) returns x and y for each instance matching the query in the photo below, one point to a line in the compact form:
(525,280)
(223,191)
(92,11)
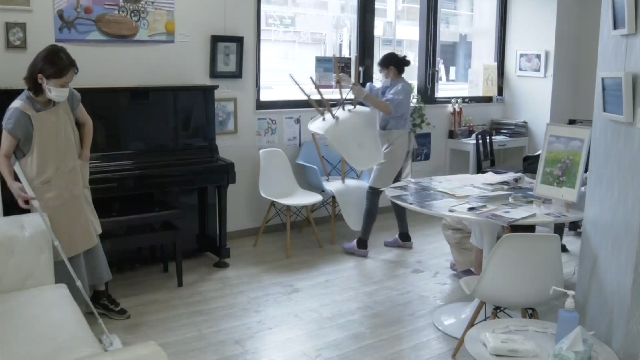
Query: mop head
(110,342)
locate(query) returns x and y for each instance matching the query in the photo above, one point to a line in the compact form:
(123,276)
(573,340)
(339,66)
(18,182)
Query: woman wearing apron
(393,101)
(39,130)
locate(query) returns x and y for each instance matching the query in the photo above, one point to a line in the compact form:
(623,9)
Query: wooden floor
(319,304)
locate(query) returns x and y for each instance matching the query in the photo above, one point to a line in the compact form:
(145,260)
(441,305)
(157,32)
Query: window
(456,47)
(299,38)
(466,60)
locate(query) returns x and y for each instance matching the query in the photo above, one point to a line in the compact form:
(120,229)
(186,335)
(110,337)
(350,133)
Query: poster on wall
(292,131)
(325,70)
(422,151)
(114,21)
(266,132)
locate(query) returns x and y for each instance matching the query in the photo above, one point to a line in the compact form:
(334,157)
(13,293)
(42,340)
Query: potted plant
(418,113)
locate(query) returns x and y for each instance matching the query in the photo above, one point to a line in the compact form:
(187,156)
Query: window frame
(428,24)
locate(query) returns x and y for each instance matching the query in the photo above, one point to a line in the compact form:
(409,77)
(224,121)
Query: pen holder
(452,134)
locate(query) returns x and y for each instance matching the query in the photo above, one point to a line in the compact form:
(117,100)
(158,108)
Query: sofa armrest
(26,253)
(144,351)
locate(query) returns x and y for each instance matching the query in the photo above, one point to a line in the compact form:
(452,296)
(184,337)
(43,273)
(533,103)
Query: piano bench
(140,236)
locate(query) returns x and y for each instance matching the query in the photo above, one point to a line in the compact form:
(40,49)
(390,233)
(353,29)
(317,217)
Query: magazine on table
(508,216)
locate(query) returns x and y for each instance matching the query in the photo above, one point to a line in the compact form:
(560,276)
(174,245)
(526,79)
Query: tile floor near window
(319,304)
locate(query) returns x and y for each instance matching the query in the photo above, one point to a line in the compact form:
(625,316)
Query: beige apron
(396,149)
(59,179)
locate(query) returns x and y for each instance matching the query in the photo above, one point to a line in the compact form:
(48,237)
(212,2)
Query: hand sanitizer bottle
(568,318)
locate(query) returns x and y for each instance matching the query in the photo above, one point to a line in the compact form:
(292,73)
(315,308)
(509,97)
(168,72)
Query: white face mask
(386,82)
(56,94)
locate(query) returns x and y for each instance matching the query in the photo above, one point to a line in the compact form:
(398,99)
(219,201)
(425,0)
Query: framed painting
(226,117)
(615,93)
(531,63)
(16,35)
(623,17)
(16,5)
(562,162)
(225,59)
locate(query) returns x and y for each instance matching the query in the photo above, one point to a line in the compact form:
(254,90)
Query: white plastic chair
(518,274)
(278,184)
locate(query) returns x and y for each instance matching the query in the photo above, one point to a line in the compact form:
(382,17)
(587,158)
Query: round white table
(545,341)
(452,319)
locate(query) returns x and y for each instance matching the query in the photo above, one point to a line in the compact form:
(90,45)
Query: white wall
(608,286)
(575,60)
(531,25)
(187,63)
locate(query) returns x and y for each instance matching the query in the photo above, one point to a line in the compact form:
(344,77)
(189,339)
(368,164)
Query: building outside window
(293,33)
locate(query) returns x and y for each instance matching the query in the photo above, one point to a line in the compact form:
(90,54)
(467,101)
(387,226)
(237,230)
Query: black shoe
(105,304)
(564,248)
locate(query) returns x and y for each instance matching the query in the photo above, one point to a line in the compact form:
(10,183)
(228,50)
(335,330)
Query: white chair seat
(469,283)
(299,198)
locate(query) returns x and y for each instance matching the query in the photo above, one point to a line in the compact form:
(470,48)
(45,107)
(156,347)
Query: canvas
(562,162)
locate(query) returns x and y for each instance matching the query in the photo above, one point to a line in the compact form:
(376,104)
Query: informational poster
(422,151)
(325,70)
(266,132)
(292,131)
(489,80)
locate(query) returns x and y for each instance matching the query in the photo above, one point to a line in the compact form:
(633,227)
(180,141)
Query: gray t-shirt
(19,125)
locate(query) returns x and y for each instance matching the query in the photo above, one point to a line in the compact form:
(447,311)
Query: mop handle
(36,205)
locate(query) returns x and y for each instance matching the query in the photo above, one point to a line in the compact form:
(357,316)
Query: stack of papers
(461,191)
(509,216)
(491,196)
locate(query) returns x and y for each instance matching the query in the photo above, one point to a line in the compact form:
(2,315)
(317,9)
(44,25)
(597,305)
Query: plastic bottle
(568,318)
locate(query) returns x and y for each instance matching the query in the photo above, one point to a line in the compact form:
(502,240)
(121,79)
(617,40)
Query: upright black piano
(156,142)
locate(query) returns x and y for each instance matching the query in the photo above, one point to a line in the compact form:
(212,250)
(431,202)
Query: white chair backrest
(276,180)
(355,135)
(521,270)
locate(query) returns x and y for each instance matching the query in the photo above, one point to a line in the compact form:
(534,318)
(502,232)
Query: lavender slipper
(397,243)
(352,248)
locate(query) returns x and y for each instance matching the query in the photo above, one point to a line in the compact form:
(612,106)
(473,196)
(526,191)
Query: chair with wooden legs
(322,170)
(518,274)
(278,184)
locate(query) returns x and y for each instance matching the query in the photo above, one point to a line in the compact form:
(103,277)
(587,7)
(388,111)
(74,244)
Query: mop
(109,341)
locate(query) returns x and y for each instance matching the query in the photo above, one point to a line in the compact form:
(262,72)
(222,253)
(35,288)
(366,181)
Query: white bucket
(354,135)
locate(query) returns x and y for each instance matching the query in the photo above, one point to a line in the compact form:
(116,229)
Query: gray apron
(396,157)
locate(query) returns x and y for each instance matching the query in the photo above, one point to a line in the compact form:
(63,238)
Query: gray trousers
(92,269)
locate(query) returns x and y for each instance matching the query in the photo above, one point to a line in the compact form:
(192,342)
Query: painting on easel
(114,21)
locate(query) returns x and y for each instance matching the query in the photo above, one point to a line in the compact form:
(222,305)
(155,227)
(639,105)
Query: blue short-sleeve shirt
(398,95)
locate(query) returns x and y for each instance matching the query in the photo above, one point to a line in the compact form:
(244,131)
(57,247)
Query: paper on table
(508,216)
(461,191)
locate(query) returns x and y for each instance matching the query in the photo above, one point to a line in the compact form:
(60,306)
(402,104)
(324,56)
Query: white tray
(542,333)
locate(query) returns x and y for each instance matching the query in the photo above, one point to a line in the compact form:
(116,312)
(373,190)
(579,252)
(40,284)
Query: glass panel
(300,37)
(466,48)
(397,30)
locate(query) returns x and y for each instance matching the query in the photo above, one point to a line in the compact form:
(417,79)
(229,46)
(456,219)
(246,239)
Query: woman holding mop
(39,130)
(393,101)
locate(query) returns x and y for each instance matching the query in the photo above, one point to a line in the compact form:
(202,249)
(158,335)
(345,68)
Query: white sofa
(39,319)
